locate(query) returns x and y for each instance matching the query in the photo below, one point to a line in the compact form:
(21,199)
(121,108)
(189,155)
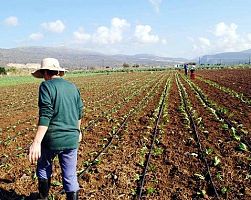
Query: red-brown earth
(175,166)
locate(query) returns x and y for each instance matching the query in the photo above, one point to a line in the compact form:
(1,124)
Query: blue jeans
(68,162)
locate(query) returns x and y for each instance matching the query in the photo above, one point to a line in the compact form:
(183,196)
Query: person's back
(62,130)
(185,68)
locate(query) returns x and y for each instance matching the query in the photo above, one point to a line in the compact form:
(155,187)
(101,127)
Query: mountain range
(228,58)
(73,58)
(82,59)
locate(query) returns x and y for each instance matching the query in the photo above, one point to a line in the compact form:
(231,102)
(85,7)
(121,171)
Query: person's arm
(80,133)
(80,115)
(35,148)
(45,115)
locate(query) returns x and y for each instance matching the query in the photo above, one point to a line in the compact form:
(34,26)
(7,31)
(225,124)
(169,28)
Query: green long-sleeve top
(60,108)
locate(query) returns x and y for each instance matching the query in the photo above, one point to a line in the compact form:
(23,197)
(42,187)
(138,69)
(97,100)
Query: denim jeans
(68,162)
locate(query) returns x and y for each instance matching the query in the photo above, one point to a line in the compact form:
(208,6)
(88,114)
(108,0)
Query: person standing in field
(58,133)
(185,68)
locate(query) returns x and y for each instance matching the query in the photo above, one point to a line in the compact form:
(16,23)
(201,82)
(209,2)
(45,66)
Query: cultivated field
(147,135)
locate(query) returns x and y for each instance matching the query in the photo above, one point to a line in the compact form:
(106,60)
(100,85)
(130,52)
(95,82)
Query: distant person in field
(58,133)
(185,68)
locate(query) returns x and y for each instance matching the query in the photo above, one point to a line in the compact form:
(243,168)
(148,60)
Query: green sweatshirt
(60,108)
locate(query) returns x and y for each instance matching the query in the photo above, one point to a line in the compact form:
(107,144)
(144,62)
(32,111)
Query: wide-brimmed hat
(50,64)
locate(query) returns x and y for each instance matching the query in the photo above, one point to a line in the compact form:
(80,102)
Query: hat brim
(38,74)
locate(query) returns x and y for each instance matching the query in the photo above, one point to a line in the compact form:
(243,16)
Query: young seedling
(136,177)
(216,161)
(158,151)
(150,190)
(243,147)
(209,151)
(202,193)
(234,135)
(224,190)
(56,183)
(224,127)
(201,177)
(219,176)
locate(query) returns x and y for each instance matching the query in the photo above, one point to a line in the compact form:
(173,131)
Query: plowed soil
(176,170)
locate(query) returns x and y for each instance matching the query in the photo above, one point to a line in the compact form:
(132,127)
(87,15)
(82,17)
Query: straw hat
(50,64)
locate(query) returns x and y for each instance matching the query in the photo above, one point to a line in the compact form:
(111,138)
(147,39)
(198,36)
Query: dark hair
(49,72)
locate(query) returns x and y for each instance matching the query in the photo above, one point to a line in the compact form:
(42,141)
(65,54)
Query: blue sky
(175,28)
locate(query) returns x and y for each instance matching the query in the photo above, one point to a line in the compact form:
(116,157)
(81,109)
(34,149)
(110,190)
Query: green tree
(2,71)
(125,65)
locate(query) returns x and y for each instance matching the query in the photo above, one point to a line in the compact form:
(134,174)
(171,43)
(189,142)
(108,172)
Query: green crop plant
(56,183)
(136,177)
(219,176)
(150,190)
(152,168)
(201,177)
(234,134)
(97,161)
(6,166)
(217,161)
(208,151)
(224,127)
(143,151)
(133,192)
(202,193)
(142,162)
(157,151)
(86,163)
(243,147)
(229,91)
(224,190)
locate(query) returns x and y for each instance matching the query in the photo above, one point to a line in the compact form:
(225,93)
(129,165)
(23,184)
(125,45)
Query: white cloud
(36,36)
(249,37)
(204,41)
(143,34)
(221,29)
(114,34)
(156,4)
(225,38)
(163,41)
(56,26)
(119,23)
(81,36)
(11,21)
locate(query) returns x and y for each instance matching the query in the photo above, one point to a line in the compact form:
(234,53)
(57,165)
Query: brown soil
(108,98)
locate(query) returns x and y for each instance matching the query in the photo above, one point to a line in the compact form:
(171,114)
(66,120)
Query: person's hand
(80,137)
(35,152)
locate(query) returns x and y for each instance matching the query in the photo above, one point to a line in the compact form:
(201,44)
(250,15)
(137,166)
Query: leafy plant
(243,147)
(216,161)
(219,176)
(224,190)
(224,127)
(136,177)
(56,183)
(234,134)
(97,161)
(150,190)
(199,176)
(157,151)
(152,168)
(202,193)
(209,151)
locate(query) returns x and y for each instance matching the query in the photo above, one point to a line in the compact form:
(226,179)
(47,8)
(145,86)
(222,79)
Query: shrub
(2,71)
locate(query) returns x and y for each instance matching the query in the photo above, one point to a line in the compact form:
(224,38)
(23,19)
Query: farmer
(58,133)
(185,68)
(192,71)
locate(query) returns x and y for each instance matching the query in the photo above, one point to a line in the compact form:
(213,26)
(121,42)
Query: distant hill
(73,58)
(242,57)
